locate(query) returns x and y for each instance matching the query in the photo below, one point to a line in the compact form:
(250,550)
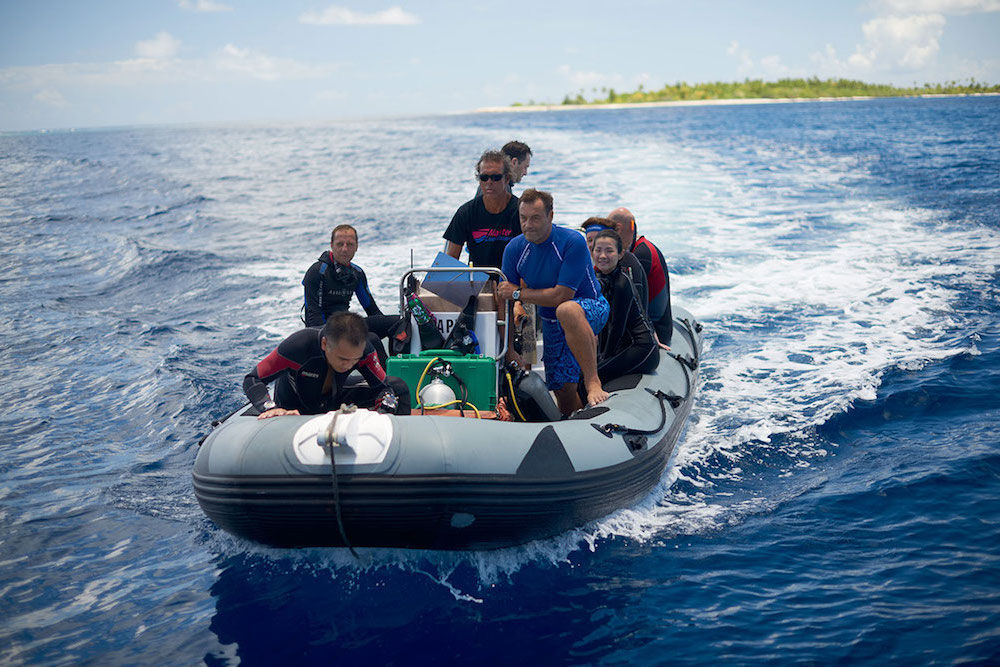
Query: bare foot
(598,395)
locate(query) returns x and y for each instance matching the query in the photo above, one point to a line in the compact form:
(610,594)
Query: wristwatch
(516,295)
(269,405)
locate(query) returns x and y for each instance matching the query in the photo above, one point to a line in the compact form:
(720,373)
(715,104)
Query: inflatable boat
(446,481)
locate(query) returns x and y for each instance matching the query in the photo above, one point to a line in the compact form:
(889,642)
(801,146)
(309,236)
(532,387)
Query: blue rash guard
(561,259)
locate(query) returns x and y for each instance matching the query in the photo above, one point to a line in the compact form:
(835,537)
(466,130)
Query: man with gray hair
(487,222)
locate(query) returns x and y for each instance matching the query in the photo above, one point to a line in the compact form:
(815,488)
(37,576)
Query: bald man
(657,276)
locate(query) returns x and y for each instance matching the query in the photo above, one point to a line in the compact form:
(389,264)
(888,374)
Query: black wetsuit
(486,234)
(632,265)
(658,277)
(625,344)
(299,370)
(329,287)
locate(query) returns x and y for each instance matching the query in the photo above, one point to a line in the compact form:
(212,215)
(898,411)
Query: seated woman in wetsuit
(627,343)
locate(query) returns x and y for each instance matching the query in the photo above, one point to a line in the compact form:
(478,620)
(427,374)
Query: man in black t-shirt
(486,223)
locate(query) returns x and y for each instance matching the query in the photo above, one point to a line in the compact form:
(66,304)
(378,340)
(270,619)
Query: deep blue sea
(835,498)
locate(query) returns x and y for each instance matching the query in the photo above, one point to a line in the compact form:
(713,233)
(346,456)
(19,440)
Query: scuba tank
(462,338)
(531,399)
(430,337)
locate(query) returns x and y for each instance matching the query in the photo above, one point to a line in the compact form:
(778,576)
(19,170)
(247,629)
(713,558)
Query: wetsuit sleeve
(365,295)
(665,326)
(313,285)
(645,257)
(458,229)
(255,382)
(371,370)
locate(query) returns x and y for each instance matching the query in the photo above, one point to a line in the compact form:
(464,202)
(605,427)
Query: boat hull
(451,483)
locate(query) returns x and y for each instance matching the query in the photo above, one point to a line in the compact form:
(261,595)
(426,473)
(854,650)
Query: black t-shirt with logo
(486,234)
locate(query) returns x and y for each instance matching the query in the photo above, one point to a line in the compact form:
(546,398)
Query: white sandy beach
(699,103)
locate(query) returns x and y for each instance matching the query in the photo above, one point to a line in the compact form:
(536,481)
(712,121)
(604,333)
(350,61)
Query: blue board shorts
(560,364)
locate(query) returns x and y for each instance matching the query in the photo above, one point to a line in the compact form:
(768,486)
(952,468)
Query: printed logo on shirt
(490,234)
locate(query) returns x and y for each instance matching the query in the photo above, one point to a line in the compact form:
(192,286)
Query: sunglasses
(490,177)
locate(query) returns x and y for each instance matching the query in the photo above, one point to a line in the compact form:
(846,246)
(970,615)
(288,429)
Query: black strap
(336,487)
(643,312)
(636,438)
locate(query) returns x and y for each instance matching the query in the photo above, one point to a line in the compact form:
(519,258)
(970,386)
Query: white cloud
(907,42)
(204,6)
(587,79)
(231,63)
(335,15)
(51,97)
(772,68)
(746,65)
(902,7)
(769,67)
(164,45)
(826,63)
(267,68)
(905,37)
(892,44)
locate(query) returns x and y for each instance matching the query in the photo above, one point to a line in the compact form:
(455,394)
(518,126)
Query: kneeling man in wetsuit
(550,267)
(310,367)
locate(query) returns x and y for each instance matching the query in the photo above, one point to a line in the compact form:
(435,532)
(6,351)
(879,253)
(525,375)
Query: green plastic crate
(477,372)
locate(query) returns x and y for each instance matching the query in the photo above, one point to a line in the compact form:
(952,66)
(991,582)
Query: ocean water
(835,498)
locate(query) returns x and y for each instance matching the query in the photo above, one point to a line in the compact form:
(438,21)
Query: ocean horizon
(834,495)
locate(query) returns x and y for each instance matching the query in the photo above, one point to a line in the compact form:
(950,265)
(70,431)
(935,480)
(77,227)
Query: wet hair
(609,234)
(516,149)
(345,326)
(496,156)
(342,228)
(596,224)
(531,195)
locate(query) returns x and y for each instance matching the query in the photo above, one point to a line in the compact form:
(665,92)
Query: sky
(79,63)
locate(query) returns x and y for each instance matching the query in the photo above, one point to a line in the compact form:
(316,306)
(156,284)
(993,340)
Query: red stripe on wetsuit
(370,362)
(657,276)
(273,364)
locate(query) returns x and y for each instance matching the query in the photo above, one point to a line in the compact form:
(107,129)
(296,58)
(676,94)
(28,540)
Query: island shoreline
(717,102)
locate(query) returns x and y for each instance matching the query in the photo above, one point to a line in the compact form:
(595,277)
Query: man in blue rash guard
(333,279)
(551,267)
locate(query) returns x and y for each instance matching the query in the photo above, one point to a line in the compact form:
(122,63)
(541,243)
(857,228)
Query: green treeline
(780,89)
